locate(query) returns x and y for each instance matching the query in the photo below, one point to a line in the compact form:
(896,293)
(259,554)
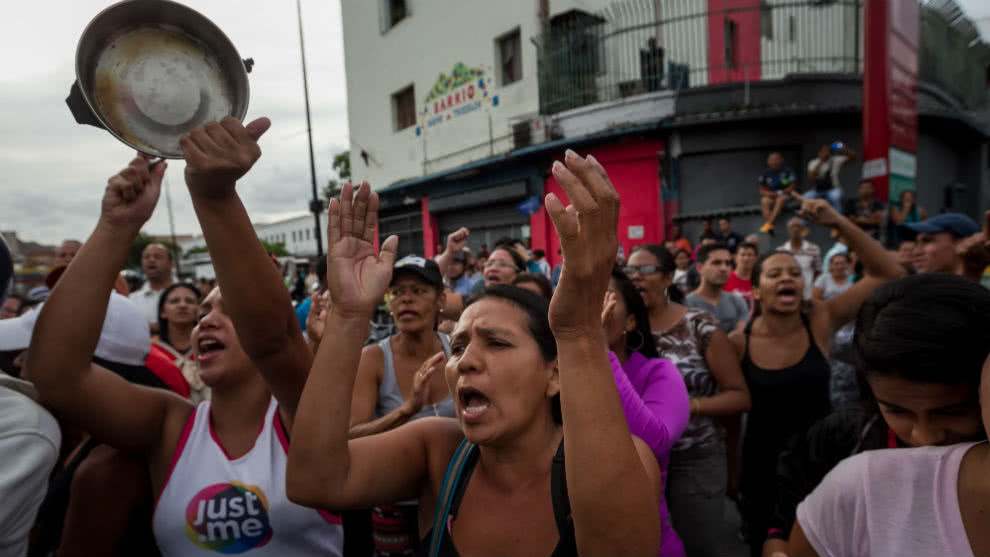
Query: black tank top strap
(747,331)
(459,472)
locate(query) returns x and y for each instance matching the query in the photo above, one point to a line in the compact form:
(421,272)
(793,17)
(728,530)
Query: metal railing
(952,54)
(641,46)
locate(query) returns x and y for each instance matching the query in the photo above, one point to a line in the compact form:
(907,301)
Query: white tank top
(212,505)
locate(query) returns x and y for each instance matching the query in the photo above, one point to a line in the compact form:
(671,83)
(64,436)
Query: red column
(876,109)
(431,230)
(890,95)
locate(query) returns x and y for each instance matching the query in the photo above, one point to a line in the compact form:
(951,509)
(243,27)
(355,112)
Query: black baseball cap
(426,269)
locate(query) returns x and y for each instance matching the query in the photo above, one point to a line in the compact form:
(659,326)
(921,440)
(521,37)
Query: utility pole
(315,206)
(171,227)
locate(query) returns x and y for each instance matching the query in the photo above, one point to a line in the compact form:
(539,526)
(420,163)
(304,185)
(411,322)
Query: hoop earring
(639,345)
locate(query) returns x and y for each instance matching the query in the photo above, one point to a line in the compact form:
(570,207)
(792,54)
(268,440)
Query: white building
(434,85)
(297,234)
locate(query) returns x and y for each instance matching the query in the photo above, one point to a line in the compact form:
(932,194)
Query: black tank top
(784,401)
(790,399)
(566,545)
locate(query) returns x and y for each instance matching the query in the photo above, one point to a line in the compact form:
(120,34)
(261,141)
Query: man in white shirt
(808,255)
(156,262)
(823,173)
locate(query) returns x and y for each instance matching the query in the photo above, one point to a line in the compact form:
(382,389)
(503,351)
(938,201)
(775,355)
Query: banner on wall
(464,91)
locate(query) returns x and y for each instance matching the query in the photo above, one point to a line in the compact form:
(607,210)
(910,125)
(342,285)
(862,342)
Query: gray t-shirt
(830,287)
(730,311)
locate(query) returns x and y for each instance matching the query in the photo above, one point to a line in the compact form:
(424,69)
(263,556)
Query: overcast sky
(53,170)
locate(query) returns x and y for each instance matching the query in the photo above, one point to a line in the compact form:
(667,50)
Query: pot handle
(80,108)
(248,64)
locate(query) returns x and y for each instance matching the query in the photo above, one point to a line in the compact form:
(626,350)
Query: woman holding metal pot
(218,468)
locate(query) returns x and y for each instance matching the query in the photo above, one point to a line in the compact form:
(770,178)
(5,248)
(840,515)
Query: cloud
(54,170)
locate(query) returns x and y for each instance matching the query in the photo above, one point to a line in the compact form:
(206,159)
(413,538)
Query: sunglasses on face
(630,270)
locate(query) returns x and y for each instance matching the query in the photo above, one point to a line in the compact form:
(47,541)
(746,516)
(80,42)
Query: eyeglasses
(502,264)
(630,270)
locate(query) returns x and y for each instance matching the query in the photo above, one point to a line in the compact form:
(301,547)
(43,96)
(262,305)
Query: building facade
(457,112)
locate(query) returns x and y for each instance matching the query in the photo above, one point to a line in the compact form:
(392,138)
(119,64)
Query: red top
(743,287)
(160,363)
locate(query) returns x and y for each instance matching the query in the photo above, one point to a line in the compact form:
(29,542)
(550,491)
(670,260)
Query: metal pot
(148,71)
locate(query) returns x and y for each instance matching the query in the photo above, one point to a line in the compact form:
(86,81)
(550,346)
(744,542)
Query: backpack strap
(448,491)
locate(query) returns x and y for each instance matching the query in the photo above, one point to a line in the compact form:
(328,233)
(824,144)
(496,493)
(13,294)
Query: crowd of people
(687,399)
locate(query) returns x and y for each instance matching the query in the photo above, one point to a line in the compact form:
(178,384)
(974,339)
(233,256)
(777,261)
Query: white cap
(125,339)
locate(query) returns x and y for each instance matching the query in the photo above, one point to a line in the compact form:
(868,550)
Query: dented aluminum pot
(148,71)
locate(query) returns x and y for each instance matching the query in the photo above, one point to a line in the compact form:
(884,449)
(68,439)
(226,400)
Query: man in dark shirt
(776,184)
(866,210)
(727,236)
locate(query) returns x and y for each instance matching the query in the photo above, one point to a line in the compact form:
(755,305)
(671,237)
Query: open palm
(357,276)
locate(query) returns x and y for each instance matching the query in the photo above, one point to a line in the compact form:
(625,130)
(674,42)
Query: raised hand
(421,382)
(457,240)
(131,194)
(975,250)
(817,210)
(316,321)
(608,310)
(587,229)
(218,154)
(356,275)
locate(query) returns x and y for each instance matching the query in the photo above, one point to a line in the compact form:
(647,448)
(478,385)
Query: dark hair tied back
(929,328)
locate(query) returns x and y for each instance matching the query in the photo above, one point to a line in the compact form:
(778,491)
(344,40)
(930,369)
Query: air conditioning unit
(532,131)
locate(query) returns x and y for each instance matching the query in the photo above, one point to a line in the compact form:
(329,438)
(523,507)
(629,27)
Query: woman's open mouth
(473,403)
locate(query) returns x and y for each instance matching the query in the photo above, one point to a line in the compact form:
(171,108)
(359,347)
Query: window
(307,234)
(766,20)
(730,34)
(508,55)
(403,109)
(792,28)
(392,12)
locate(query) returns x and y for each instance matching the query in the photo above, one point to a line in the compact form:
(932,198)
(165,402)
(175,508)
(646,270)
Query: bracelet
(695,406)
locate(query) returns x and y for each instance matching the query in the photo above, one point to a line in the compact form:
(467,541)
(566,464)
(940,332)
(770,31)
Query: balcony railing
(642,46)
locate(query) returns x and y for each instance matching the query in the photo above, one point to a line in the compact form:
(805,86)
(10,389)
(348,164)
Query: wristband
(695,406)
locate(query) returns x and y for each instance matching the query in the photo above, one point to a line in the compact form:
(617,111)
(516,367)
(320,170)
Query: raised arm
(455,243)
(59,362)
(879,265)
(253,292)
(326,470)
(614,500)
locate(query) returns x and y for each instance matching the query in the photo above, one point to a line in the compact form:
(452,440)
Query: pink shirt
(889,502)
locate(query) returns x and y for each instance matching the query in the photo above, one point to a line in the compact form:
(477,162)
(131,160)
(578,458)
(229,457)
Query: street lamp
(315,206)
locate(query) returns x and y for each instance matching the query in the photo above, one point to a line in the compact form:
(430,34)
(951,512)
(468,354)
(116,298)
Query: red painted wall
(747,44)
(633,168)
